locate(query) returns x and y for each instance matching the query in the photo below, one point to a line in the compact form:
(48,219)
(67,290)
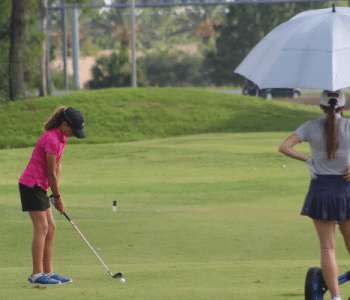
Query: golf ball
(122,279)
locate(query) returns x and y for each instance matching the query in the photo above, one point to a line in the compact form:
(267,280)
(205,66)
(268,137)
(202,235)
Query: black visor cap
(75,120)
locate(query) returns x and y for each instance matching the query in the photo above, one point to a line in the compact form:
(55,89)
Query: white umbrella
(311,50)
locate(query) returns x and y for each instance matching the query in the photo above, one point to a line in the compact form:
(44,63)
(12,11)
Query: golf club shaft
(110,273)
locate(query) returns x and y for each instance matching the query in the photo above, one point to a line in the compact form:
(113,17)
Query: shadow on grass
(264,119)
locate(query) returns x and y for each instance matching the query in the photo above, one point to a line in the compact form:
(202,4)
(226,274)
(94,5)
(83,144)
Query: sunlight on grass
(126,114)
(213,215)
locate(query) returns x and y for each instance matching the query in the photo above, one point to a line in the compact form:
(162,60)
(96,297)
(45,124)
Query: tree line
(223,35)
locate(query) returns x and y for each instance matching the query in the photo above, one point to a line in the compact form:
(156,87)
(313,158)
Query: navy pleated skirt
(328,198)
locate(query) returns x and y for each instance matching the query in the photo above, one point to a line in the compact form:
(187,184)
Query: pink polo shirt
(52,141)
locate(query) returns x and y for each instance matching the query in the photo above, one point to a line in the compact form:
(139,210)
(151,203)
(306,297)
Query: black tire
(315,286)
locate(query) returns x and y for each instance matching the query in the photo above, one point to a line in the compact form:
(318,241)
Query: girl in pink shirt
(43,171)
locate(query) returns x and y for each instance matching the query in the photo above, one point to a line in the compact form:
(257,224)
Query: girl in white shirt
(328,199)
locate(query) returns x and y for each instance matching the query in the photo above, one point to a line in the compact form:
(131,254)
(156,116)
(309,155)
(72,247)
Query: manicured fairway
(211,216)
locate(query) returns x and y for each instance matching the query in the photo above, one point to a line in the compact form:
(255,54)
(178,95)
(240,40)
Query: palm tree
(44,87)
(17,46)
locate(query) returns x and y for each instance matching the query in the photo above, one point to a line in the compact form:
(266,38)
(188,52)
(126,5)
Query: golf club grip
(66,217)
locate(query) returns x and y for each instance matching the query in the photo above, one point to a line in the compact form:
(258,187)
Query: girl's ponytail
(55,120)
(331,129)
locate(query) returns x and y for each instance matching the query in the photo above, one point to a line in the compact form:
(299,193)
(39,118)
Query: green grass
(209,212)
(122,115)
(199,217)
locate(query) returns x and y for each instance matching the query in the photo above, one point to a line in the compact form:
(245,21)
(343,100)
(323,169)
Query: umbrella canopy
(311,50)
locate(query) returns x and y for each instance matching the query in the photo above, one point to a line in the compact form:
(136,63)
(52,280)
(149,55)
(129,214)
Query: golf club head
(118,275)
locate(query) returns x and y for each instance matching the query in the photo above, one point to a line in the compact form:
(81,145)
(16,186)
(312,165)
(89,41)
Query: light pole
(133,46)
(75,47)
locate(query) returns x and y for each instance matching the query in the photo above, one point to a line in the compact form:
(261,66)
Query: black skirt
(33,199)
(328,198)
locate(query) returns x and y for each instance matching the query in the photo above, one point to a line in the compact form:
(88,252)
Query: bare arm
(58,169)
(287,148)
(53,174)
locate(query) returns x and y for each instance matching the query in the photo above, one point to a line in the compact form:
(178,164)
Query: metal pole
(133,46)
(64,46)
(48,57)
(75,47)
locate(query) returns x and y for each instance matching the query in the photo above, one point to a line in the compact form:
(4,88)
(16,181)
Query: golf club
(117,275)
